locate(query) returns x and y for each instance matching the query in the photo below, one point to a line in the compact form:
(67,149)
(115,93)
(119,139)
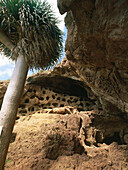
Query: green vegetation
(8,161)
(33,29)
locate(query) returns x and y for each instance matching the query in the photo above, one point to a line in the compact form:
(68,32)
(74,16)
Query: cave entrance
(114,138)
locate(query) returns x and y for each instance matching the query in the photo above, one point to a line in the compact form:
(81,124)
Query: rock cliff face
(97,48)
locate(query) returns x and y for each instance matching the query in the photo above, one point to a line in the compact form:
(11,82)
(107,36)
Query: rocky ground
(63,139)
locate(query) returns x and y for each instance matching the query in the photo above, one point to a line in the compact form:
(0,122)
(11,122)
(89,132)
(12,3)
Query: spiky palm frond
(33,29)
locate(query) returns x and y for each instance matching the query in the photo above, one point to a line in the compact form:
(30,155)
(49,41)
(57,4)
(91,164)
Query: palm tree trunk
(10,106)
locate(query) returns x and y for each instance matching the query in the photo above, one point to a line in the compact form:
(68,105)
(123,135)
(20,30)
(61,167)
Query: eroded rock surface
(97,48)
(53,89)
(67,141)
(37,98)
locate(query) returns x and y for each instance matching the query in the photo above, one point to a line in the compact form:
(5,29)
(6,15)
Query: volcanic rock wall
(97,49)
(52,89)
(37,98)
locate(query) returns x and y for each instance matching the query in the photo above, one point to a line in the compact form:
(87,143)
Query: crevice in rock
(78,148)
(80,126)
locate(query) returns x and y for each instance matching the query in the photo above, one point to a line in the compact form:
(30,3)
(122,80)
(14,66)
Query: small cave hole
(69,101)
(34,91)
(58,98)
(71,98)
(114,138)
(55,104)
(23,111)
(41,98)
(75,100)
(32,109)
(29,90)
(62,105)
(48,104)
(26,101)
(44,92)
(80,109)
(98,137)
(47,98)
(32,97)
(17,118)
(53,96)
(87,143)
(22,106)
(63,100)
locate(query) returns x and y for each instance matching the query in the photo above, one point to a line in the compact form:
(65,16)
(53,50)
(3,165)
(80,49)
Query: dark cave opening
(114,138)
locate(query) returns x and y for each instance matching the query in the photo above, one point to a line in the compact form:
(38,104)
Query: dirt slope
(62,141)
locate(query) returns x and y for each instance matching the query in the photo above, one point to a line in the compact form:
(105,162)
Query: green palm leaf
(33,29)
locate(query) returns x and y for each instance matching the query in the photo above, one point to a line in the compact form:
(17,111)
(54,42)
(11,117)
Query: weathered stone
(64,5)
(49,141)
(52,89)
(97,48)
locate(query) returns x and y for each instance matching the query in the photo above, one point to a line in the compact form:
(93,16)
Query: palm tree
(29,34)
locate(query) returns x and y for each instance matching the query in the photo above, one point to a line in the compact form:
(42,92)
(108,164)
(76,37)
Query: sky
(7,66)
